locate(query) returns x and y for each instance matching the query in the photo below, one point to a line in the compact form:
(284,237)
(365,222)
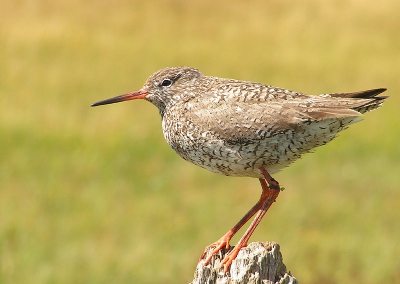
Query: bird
(245,129)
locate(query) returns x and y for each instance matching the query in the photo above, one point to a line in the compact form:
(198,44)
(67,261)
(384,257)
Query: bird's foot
(223,242)
(227,261)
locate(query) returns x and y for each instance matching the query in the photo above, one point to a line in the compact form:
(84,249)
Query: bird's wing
(258,120)
(231,117)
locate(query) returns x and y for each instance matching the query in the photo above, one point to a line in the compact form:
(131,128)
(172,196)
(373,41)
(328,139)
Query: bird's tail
(369,99)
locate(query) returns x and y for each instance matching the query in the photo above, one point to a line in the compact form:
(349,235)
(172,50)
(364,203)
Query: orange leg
(270,191)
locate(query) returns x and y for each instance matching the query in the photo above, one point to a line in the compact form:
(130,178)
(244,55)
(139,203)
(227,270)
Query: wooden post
(258,263)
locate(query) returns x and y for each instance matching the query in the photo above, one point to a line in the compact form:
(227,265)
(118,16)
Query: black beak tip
(100,103)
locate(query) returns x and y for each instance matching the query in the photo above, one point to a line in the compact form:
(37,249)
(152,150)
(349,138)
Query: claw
(227,261)
(218,245)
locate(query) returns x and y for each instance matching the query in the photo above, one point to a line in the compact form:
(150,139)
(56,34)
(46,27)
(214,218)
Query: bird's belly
(234,159)
(244,156)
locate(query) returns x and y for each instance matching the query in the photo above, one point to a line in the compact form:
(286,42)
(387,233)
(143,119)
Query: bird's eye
(166,83)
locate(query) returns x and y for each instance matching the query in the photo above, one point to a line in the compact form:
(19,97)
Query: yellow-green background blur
(95,195)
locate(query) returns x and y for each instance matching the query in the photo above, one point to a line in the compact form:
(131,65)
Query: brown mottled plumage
(238,128)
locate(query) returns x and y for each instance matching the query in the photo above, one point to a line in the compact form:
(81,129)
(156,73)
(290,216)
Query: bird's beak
(140,94)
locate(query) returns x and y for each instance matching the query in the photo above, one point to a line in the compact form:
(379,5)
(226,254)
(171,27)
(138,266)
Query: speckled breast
(235,157)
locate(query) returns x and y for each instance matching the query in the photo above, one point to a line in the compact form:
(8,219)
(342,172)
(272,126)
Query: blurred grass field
(97,196)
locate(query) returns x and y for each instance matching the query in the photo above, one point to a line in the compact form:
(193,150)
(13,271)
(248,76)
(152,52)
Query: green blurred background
(97,196)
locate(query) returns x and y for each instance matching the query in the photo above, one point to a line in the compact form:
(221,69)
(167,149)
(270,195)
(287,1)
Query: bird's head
(165,87)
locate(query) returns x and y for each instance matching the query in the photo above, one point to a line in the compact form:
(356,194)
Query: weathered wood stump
(258,263)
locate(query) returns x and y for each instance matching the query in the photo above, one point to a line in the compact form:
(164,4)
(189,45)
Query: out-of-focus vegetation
(96,195)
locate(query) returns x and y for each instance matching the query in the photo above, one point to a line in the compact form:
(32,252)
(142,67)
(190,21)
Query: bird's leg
(270,191)
(272,183)
(224,240)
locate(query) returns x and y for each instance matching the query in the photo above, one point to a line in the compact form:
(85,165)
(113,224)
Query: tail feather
(368,99)
(368,94)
